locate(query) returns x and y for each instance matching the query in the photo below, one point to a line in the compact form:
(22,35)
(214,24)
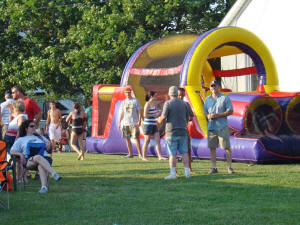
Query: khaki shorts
(130,132)
(216,137)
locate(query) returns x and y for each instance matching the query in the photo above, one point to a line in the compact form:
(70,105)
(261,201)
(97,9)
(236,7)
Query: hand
(119,126)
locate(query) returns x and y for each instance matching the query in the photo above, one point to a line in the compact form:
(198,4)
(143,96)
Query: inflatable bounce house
(265,125)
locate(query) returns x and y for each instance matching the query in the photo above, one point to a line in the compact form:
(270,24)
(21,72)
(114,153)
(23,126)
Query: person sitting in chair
(41,161)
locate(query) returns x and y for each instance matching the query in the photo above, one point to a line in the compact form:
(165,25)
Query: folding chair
(5,179)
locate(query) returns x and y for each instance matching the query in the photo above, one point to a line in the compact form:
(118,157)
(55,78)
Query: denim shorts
(149,129)
(177,143)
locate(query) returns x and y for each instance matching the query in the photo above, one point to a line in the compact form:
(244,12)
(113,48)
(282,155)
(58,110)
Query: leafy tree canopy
(67,46)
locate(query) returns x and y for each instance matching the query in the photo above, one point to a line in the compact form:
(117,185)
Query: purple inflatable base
(243,149)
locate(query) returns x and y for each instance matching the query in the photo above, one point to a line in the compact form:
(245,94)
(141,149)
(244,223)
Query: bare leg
(74,138)
(138,146)
(213,157)
(41,161)
(81,145)
(53,143)
(43,176)
(228,157)
(145,146)
(185,160)
(172,161)
(129,146)
(158,147)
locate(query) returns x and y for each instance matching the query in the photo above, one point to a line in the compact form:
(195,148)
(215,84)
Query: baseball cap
(214,82)
(127,89)
(173,91)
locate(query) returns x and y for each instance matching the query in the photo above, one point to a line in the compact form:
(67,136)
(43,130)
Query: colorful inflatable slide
(265,125)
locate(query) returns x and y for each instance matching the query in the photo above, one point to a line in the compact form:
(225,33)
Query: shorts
(54,134)
(149,129)
(216,137)
(132,131)
(177,143)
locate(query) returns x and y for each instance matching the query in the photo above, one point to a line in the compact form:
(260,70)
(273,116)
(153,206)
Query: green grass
(106,189)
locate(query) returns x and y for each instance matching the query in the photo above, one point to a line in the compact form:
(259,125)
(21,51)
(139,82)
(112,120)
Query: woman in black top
(78,120)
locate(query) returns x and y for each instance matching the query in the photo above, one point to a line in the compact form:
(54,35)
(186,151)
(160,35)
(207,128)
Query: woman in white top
(27,134)
(19,116)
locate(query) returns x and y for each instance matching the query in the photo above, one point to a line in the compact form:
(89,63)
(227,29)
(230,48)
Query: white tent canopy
(275,22)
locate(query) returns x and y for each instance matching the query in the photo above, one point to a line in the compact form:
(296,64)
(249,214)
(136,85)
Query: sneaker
(213,170)
(230,170)
(170,177)
(140,157)
(128,156)
(56,177)
(43,190)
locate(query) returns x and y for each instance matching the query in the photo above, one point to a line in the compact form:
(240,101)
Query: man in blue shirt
(216,108)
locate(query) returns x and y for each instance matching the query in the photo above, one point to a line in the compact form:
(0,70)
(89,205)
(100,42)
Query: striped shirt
(151,120)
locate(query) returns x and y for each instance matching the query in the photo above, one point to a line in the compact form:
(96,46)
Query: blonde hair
(19,105)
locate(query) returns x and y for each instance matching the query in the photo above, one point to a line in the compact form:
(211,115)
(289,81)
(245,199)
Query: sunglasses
(31,126)
(213,85)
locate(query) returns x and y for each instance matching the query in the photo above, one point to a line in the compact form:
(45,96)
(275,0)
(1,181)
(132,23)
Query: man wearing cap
(5,112)
(216,108)
(130,118)
(176,114)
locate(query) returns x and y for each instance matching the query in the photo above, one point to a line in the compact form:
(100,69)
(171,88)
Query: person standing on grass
(5,112)
(181,95)
(53,124)
(216,108)
(78,119)
(32,109)
(130,120)
(150,128)
(176,114)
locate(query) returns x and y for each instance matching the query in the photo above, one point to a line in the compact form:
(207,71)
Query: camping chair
(5,178)
(33,149)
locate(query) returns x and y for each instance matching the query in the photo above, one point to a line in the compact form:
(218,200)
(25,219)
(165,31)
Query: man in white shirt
(5,112)
(130,119)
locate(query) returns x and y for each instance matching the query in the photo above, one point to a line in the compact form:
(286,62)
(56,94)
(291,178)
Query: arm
(37,119)
(218,115)
(120,119)
(140,117)
(146,109)
(48,120)
(69,117)
(161,119)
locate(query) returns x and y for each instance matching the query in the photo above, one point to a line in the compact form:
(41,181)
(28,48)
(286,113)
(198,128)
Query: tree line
(66,46)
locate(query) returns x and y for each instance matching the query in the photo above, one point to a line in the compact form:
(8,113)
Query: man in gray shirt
(176,115)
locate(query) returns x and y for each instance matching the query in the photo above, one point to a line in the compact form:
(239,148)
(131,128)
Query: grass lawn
(107,189)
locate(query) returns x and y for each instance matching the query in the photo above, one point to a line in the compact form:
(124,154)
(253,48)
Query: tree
(67,46)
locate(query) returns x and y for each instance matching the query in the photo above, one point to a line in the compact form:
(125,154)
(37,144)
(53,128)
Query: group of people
(175,115)
(20,117)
